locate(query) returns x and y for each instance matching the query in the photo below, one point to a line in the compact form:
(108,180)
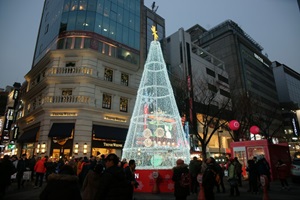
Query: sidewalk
(275,193)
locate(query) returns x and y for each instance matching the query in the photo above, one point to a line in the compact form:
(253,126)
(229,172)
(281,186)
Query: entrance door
(61,153)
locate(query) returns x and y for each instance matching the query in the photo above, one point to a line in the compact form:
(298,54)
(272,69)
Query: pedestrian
(63,185)
(40,171)
(252,176)
(263,168)
(22,166)
(181,172)
(32,162)
(239,171)
(282,171)
(113,181)
(220,171)
(6,170)
(50,167)
(130,177)
(84,169)
(208,179)
(195,169)
(233,177)
(91,182)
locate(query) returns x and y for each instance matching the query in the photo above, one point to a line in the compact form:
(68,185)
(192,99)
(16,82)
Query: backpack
(185,180)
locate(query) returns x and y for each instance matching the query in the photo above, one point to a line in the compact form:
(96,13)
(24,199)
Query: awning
(109,133)
(29,136)
(61,130)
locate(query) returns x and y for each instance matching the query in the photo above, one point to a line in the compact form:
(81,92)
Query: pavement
(275,193)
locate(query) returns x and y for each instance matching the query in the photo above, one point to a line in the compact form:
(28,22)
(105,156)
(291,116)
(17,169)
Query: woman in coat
(180,192)
(91,182)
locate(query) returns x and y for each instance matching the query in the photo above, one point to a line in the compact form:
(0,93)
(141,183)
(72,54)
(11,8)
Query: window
(66,92)
(108,74)
(124,79)
(212,88)
(210,72)
(222,78)
(225,93)
(106,103)
(70,64)
(123,104)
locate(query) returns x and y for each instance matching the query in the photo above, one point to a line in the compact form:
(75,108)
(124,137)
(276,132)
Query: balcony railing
(70,70)
(67,99)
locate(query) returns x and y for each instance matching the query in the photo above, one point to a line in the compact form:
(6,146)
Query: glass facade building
(111,27)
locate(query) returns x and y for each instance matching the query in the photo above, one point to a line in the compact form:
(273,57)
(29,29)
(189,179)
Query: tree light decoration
(155,138)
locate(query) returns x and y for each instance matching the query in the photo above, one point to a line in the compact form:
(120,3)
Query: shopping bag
(27,175)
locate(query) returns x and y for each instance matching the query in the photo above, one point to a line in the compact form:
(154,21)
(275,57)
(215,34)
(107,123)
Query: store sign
(112,144)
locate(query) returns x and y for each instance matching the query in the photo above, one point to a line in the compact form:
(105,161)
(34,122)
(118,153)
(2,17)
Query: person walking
(195,169)
(233,178)
(40,171)
(130,177)
(252,176)
(181,185)
(113,181)
(32,162)
(282,171)
(63,185)
(208,179)
(91,182)
(6,170)
(22,166)
(239,171)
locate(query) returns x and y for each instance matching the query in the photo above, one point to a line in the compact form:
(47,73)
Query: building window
(212,88)
(106,103)
(225,93)
(124,79)
(123,104)
(70,64)
(108,74)
(210,72)
(222,78)
(66,92)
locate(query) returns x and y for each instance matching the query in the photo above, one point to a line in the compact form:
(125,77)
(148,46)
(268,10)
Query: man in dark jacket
(180,191)
(130,177)
(6,170)
(208,180)
(22,166)
(113,181)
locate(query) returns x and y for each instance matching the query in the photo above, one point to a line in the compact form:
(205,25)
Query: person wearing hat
(113,185)
(179,171)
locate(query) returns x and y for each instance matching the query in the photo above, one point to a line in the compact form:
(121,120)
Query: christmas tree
(155,138)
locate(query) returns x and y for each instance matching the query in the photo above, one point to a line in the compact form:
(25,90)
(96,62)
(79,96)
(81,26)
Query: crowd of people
(83,178)
(106,177)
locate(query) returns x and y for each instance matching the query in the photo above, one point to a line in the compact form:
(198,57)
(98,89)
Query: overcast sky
(274,24)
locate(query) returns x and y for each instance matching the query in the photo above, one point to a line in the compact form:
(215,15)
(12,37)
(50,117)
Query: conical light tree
(155,138)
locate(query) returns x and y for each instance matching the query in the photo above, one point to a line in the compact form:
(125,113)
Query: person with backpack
(181,178)
(233,178)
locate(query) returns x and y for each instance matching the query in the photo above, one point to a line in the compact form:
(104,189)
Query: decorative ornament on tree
(234,125)
(254,130)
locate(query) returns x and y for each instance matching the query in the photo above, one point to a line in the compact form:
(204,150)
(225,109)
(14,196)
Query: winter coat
(61,186)
(39,166)
(282,171)
(208,179)
(195,167)
(180,191)
(90,185)
(6,170)
(113,185)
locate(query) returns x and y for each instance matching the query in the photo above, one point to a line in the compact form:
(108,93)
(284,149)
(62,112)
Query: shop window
(124,79)
(123,104)
(106,103)
(108,74)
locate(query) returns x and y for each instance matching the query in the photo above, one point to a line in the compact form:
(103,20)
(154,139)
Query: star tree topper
(154,33)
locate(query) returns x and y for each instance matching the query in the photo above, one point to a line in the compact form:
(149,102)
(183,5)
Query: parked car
(295,169)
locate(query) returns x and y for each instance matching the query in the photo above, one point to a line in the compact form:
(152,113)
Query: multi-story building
(204,81)
(250,76)
(288,88)
(86,69)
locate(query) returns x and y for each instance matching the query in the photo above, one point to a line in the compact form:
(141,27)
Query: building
(82,86)
(250,78)
(203,80)
(288,84)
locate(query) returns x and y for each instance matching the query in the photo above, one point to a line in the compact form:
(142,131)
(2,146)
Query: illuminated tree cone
(155,138)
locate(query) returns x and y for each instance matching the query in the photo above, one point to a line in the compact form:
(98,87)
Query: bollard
(201,189)
(264,183)
(155,188)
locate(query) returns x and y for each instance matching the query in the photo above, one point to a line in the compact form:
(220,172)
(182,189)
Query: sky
(274,24)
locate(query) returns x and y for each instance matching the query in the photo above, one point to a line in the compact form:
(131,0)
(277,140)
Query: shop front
(61,135)
(28,140)
(108,140)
